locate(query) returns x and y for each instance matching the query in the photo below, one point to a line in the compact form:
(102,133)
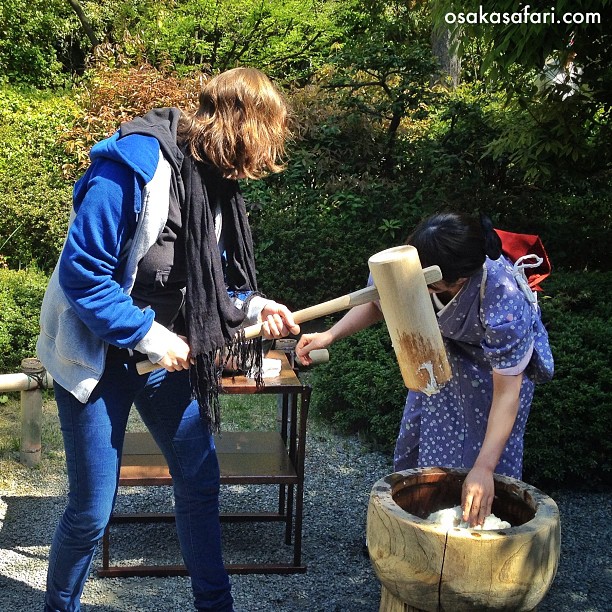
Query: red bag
(515,246)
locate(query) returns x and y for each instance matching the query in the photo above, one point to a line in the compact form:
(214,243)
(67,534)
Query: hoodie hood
(161,124)
(137,145)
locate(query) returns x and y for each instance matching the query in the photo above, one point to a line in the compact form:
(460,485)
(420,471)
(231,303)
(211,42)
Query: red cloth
(517,245)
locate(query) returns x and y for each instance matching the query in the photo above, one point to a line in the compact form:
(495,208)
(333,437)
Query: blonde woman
(158,264)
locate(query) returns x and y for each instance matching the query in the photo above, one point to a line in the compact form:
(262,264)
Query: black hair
(456,242)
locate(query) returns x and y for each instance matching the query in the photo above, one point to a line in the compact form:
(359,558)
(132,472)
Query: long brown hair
(241,124)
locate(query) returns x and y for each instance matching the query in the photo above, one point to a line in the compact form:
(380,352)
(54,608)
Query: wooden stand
(247,458)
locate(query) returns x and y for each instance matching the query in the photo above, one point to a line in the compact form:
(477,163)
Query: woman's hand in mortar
(477,495)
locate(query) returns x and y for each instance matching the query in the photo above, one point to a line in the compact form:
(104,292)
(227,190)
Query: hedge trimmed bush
(35,197)
(21,294)
(568,434)
(360,390)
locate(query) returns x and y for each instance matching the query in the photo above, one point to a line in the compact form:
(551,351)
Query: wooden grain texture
(410,318)
(429,567)
(390,603)
(432,274)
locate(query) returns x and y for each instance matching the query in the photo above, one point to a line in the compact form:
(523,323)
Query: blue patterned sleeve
(507,316)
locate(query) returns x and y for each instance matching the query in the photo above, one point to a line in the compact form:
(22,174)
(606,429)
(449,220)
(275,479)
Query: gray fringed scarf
(212,321)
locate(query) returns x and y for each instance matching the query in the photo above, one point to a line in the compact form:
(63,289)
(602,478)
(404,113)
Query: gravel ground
(339,476)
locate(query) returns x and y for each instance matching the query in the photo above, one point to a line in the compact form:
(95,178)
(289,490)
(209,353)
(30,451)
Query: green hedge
(360,390)
(35,198)
(21,294)
(568,434)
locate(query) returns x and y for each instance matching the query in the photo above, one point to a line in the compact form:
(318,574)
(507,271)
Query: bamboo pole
(31,414)
(30,383)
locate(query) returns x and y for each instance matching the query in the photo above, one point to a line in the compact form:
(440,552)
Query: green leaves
(288,39)
(360,389)
(567,436)
(21,294)
(33,40)
(34,199)
(552,128)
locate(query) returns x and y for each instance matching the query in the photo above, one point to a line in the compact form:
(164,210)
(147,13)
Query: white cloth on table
(270,368)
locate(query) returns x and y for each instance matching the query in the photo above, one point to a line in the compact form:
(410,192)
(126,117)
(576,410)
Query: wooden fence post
(31,413)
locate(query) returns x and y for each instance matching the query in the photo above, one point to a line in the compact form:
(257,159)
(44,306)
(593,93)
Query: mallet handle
(356,298)
(432,274)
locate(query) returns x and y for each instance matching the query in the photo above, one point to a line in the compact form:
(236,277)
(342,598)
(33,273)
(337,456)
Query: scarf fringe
(206,374)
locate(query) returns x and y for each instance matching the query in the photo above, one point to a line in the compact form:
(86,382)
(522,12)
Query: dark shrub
(360,389)
(568,433)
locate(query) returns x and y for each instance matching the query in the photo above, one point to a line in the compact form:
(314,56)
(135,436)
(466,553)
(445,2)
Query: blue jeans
(93,438)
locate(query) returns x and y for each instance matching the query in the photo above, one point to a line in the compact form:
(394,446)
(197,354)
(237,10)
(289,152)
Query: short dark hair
(456,242)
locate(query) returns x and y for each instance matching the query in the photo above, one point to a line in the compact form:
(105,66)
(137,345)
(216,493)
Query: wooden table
(246,458)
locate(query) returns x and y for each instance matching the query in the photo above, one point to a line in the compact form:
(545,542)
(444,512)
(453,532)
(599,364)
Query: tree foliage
(33,39)
(529,34)
(385,69)
(46,43)
(571,416)
(286,38)
(557,77)
(21,293)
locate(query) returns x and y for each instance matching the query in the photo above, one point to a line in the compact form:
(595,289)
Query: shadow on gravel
(338,579)
(30,521)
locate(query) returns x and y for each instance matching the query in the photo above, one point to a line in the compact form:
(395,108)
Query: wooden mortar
(424,566)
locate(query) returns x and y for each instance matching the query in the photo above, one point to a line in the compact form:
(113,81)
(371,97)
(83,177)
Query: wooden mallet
(412,323)
(423,365)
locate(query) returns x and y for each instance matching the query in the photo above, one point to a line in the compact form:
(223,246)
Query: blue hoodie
(120,206)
